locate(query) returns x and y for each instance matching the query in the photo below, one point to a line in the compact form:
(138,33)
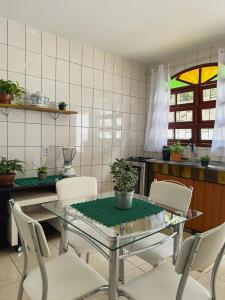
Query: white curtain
(158,112)
(218,141)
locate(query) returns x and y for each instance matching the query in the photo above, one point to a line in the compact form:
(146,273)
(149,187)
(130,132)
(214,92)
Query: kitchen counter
(208,188)
(214,173)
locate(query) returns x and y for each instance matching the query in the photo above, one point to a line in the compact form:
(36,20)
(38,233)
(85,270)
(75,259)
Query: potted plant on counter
(42,172)
(125,179)
(8,169)
(204,160)
(176,150)
(8,90)
(62,105)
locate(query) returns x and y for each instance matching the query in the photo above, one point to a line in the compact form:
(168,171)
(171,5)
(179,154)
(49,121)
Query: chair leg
(20,293)
(87,257)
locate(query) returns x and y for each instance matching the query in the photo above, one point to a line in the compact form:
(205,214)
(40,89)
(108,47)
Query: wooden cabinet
(208,198)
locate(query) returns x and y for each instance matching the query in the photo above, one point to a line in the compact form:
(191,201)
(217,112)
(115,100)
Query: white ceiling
(146,30)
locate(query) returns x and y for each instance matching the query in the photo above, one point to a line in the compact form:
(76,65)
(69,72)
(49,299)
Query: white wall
(108,91)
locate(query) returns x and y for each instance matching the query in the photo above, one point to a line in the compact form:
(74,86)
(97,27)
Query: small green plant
(124,176)
(43,169)
(11,87)
(8,167)
(205,158)
(62,103)
(176,148)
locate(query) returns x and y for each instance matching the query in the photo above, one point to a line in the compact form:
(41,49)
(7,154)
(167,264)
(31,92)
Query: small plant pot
(62,106)
(204,163)
(42,176)
(6,98)
(124,199)
(175,156)
(7,180)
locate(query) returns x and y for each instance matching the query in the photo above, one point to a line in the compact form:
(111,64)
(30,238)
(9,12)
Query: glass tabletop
(127,233)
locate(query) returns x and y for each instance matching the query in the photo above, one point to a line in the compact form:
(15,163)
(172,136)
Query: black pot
(204,163)
(62,106)
(42,176)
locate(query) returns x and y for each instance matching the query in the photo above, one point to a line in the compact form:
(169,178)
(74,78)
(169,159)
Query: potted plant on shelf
(176,150)
(42,172)
(62,105)
(204,160)
(9,90)
(125,179)
(8,169)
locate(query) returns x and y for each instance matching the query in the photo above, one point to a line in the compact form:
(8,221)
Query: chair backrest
(31,232)
(210,243)
(171,193)
(75,187)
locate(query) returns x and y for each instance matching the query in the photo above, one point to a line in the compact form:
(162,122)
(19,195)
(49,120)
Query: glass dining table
(114,232)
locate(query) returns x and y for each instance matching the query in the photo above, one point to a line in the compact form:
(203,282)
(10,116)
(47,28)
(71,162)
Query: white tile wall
(107,90)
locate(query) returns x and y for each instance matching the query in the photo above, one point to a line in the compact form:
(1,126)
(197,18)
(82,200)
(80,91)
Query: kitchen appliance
(142,166)
(68,156)
(166,153)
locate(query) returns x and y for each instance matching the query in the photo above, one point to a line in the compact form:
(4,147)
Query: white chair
(64,277)
(169,193)
(73,190)
(169,282)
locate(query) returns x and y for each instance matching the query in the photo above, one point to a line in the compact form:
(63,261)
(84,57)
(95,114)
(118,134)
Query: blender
(68,156)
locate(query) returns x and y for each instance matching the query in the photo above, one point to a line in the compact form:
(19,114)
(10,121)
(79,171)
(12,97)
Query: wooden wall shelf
(37,108)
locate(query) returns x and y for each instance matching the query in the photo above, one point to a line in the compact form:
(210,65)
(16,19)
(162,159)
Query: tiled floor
(11,264)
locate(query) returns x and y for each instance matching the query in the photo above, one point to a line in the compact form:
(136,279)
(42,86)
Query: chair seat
(154,256)
(162,283)
(69,278)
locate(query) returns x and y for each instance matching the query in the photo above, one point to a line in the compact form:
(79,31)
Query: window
(192,105)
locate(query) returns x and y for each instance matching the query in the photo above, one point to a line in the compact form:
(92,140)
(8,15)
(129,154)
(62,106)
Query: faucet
(194,152)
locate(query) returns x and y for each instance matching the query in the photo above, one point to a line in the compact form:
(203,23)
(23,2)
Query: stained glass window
(190,76)
(198,75)
(192,104)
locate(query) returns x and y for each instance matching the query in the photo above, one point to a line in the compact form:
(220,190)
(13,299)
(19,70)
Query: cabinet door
(208,199)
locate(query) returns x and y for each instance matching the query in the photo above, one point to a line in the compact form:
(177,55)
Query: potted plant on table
(8,90)
(125,179)
(42,172)
(8,169)
(176,150)
(204,160)
(62,105)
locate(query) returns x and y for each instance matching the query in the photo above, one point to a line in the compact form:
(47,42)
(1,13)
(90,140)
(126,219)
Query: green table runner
(35,181)
(105,212)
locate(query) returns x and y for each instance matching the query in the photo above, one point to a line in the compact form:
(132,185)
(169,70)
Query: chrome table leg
(121,267)
(63,239)
(113,268)
(121,261)
(178,239)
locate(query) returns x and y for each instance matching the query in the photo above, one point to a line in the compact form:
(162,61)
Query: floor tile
(10,292)
(11,263)
(9,273)
(220,285)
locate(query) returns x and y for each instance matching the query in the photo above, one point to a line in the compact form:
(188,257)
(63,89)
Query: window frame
(198,104)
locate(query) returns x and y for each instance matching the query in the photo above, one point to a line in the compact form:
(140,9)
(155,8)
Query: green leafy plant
(62,103)
(43,169)
(205,158)
(8,167)
(176,148)
(11,87)
(124,176)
